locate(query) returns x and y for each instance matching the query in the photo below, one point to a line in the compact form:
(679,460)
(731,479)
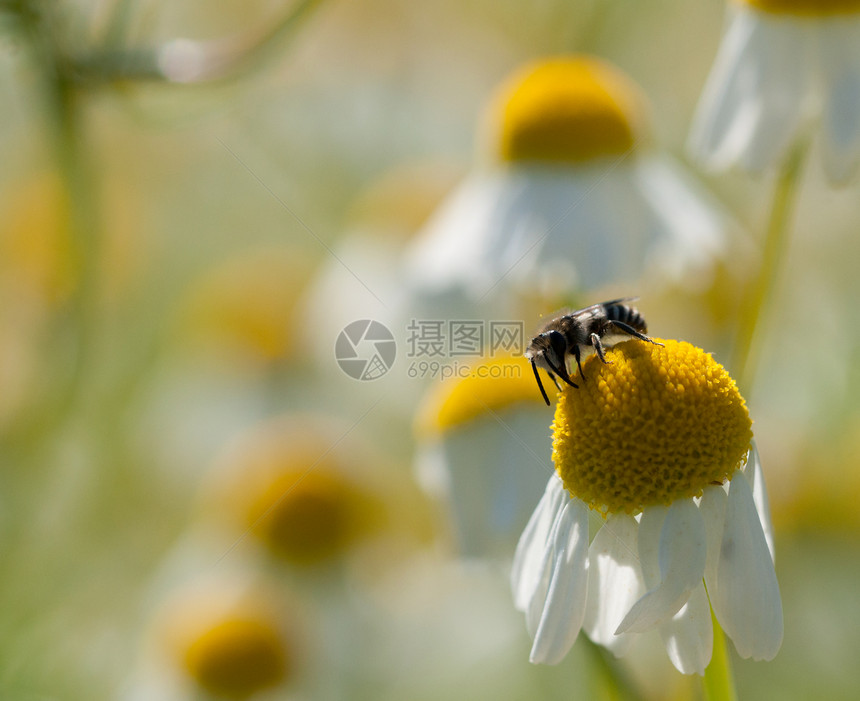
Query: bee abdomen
(627,315)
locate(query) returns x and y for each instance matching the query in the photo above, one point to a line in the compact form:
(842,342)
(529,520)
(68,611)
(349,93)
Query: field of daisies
(387,350)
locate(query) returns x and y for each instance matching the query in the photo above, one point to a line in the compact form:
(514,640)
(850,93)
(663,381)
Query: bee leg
(562,373)
(598,347)
(578,364)
(555,382)
(626,328)
(540,384)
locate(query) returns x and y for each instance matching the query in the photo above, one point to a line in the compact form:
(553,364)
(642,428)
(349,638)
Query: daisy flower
(783,66)
(219,636)
(306,505)
(659,445)
(572,196)
(475,436)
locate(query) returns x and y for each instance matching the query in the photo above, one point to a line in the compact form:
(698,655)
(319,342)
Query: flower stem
(775,245)
(719,683)
(609,682)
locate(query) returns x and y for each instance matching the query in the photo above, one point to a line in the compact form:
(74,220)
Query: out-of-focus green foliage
(176,181)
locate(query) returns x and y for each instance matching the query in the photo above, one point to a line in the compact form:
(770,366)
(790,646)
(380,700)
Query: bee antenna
(540,384)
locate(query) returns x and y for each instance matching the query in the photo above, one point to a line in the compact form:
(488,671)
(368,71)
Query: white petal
(527,570)
(689,636)
(681,558)
(591,217)
(692,227)
(450,248)
(493,479)
(840,65)
(747,601)
(564,608)
(755,476)
(752,106)
(614,581)
(713,510)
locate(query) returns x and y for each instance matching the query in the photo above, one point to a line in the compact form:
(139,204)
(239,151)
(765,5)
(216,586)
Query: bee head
(548,350)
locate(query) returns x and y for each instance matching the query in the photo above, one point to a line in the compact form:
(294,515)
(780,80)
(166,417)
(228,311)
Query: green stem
(609,683)
(775,246)
(71,343)
(719,683)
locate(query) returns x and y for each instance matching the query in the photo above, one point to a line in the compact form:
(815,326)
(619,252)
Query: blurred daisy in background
(572,196)
(282,484)
(658,447)
(245,308)
(307,496)
(783,67)
(479,451)
(218,637)
(358,280)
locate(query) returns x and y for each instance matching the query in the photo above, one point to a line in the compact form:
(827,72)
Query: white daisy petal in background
(479,439)
(572,197)
(685,429)
(783,68)
(840,127)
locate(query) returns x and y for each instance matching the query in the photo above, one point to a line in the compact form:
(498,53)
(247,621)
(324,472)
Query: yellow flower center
(491,386)
(568,109)
(658,424)
(805,7)
(247,303)
(236,657)
(307,517)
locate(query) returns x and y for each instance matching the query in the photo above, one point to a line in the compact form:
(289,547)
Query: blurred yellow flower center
(658,424)
(488,387)
(237,657)
(806,7)
(307,517)
(568,109)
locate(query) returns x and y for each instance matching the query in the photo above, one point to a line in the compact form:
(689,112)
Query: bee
(581,333)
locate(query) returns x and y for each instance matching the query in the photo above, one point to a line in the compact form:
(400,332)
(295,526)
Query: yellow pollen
(237,657)
(491,386)
(658,424)
(805,7)
(567,109)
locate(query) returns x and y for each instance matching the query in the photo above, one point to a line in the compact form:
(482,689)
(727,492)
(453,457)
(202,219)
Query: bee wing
(551,319)
(620,300)
(609,303)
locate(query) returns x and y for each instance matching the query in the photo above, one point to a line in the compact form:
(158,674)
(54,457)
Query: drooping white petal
(614,581)
(575,215)
(491,478)
(689,636)
(692,228)
(746,598)
(526,571)
(540,580)
(564,607)
(840,65)
(451,246)
(681,560)
(713,509)
(753,104)
(755,476)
